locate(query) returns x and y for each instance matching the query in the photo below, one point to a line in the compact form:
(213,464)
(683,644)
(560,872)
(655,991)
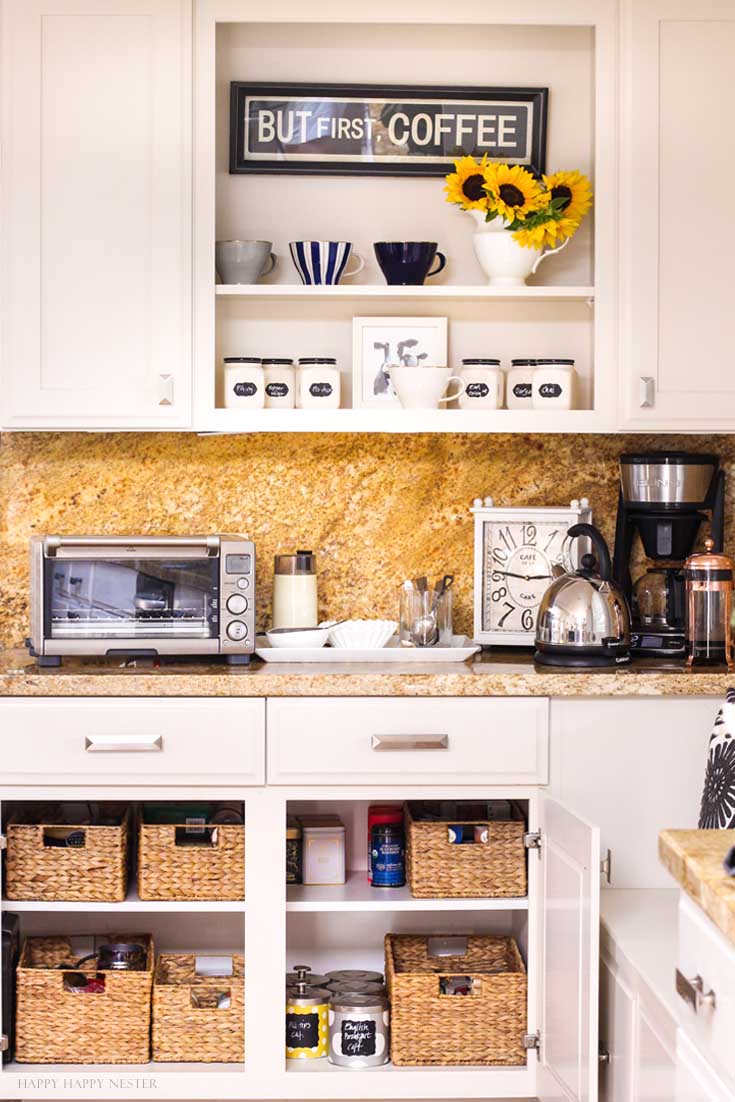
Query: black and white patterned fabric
(718,799)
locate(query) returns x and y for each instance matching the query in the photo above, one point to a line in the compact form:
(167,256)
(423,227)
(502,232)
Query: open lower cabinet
(553,923)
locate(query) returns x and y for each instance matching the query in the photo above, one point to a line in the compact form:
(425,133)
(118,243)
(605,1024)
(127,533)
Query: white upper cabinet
(678,232)
(96,213)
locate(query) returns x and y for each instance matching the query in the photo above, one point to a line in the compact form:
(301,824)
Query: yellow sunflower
(513,192)
(551,233)
(466,185)
(575,189)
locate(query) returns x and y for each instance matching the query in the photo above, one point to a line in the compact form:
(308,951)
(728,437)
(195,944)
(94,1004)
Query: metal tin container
(388,856)
(307,1022)
(302,974)
(359,1031)
(353,975)
(356,987)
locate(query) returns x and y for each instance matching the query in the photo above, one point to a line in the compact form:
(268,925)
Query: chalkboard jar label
(245,390)
(276,390)
(522,390)
(358,1037)
(550,390)
(477,390)
(320,390)
(307,1031)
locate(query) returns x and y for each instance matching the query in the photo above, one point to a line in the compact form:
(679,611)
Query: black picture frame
(242,163)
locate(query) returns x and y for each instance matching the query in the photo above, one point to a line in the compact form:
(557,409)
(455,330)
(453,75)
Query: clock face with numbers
(519,556)
(515,550)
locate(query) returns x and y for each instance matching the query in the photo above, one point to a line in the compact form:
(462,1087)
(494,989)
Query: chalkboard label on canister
(358,1038)
(320,390)
(522,390)
(276,390)
(245,390)
(549,390)
(302,1030)
(477,390)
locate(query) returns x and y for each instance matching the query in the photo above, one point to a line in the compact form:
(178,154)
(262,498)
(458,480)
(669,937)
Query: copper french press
(709,588)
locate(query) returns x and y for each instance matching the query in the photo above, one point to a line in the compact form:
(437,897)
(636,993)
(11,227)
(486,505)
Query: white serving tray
(460,650)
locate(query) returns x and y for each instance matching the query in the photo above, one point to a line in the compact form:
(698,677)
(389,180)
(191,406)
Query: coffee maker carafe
(664,498)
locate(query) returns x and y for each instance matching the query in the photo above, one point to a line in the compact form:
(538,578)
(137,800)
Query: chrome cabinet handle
(647,392)
(692,992)
(123,744)
(382,743)
(165,390)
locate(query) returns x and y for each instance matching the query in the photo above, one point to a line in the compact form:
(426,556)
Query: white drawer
(705,952)
(132,741)
(408,741)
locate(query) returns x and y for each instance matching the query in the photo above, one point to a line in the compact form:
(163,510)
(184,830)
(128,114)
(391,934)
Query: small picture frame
(379,342)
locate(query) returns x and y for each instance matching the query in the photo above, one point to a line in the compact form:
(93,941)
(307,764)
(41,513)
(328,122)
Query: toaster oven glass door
(132,598)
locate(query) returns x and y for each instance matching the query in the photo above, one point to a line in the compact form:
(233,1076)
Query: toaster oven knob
(243,583)
(237,604)
(237,630)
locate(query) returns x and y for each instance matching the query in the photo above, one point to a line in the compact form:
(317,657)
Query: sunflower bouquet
(537,212)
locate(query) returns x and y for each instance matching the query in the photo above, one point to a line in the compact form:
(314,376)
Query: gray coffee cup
(244,261)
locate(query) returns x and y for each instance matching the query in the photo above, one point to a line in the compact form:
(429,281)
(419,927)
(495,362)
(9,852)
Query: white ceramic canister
(324,854)
(280,383)
(244,382)
(319,384)
(295,591)
(554,384)
(519,384)
(359,1030)
(483,384)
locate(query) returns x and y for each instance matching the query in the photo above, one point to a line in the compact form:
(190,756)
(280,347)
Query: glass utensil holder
(425,619)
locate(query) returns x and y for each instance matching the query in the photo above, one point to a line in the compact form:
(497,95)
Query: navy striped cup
(323,262)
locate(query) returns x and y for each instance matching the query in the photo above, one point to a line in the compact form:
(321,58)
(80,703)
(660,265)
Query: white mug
(482,388)
(423,387)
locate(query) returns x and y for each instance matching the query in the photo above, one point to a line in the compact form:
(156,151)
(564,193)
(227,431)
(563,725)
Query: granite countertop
(694,858)
(485,675)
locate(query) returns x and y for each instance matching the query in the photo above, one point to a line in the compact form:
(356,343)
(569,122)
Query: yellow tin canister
(307,1022)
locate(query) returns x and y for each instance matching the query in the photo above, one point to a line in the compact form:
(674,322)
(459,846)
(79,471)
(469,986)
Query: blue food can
(388,856)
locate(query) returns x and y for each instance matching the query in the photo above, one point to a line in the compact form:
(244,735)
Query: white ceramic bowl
(362,634)
(313,638)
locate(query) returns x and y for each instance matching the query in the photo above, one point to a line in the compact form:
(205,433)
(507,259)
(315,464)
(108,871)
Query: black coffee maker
(664,498)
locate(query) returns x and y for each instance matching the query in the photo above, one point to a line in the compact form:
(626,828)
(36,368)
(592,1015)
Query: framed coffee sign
(387,130)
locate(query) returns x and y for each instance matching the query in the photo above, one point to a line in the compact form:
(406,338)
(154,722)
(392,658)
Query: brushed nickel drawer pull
(692,992)
(382,743)
(123,744)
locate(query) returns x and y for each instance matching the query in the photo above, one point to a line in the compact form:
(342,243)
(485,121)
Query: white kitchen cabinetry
(104,749)
(96,220)
(677,243)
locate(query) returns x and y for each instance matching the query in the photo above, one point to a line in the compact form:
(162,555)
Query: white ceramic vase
(502,259)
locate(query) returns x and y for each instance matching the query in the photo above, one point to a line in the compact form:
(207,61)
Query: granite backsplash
(375,508)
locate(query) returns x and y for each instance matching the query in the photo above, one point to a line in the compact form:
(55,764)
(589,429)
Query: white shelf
(131,905)
(358,895)
(402,420)
(383,291)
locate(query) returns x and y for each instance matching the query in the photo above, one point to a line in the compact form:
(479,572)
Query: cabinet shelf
(131,904)
(402,420)
(358,895)
(384,291)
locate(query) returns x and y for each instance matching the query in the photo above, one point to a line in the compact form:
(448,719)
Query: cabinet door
(617,1024)
(96,213)
(678,236)
(569,953)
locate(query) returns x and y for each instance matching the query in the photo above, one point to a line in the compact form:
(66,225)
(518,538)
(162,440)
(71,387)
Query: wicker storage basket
(56,1025)
(429,1027)
(95,872)
(438,869)
(167,870)
(187,1024)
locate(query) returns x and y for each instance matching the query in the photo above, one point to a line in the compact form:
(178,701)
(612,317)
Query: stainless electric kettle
(584,620)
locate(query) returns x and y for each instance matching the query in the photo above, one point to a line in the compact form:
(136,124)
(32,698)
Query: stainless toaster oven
(142,596)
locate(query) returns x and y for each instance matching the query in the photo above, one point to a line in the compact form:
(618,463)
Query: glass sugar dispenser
(709,588)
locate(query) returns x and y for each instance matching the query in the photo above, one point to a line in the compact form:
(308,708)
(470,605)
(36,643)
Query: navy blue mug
(407,263)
